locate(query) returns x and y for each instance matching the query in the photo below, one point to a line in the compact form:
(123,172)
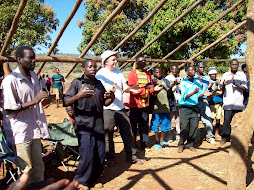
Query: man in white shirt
(114,114)
(233,83)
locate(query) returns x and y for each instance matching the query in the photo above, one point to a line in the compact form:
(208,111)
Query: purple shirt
(27,124)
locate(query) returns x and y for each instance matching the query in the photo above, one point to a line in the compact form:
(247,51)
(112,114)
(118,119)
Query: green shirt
(57,81)
(160,102)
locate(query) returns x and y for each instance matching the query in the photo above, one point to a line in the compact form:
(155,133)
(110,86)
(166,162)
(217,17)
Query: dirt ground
(163,169)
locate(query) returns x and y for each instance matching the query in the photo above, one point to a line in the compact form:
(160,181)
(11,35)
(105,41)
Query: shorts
(59,93)
(162,119)
(217,113)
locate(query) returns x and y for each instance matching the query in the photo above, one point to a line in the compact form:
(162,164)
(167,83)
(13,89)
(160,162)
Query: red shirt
(135,99)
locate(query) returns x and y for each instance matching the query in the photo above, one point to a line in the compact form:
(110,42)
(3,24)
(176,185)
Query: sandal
(164,144)
(158,146)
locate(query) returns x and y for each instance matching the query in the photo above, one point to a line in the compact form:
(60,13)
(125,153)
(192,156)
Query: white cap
(106,54)
(212,70)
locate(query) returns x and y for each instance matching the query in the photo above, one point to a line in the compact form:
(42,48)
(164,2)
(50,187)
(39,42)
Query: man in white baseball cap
(114,114)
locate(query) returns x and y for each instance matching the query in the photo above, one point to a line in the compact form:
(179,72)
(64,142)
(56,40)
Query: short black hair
(187,67)
(233,60)
(20,51)
(141,55)
(156,68)
(85,62)
(174,65)
(243,66)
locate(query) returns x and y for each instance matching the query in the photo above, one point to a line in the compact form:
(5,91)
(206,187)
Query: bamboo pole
(201,31)
(151,14)
(66,23)
(101,29)
(165,29)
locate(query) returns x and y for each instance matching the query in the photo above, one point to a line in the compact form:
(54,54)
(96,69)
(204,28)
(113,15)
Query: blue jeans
(206,117)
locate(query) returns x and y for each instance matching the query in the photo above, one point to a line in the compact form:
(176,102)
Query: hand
(85,93)
(109,94)
(210,85)
(200,78)
(233,79)
(207,93)
(40,96)
(134,89)
(196,90)
(158,88)
(224,83)
(114,87)
(148,85)
(217,83)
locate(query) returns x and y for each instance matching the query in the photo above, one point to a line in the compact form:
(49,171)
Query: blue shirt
(205,82)
(188,87)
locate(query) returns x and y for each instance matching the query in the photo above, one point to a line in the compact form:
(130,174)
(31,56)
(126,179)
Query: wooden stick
(14,26)
(66,23)
(216,42)
(155,10)
(102,28)
(165,30)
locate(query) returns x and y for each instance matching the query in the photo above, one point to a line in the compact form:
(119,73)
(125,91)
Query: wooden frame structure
(119,8)
(238,154)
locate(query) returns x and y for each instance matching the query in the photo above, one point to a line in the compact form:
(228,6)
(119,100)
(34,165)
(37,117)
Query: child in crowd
(216,101)
(174,97)
(160,109)
(71,114)
(48,83)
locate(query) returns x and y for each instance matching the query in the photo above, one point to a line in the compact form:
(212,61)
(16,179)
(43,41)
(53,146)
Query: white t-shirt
(176,88)
(233,96)
(108,79)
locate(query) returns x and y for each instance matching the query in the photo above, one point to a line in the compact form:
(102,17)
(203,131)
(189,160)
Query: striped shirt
(142,82)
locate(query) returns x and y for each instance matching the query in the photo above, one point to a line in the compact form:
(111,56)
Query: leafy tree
(34,25)
(137,10)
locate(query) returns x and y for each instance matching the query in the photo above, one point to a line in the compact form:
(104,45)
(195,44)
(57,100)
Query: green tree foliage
(34,25)
(137,10)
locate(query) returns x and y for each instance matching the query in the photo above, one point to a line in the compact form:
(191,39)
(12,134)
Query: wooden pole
(155,10)
(11,32)
(66,23)
(166,29)
(242,123)
(14,26)
(98,33)
(216,42)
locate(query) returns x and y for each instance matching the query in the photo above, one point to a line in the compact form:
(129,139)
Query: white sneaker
(211,141)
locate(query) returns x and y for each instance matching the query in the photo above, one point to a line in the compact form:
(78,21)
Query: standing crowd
(97,99)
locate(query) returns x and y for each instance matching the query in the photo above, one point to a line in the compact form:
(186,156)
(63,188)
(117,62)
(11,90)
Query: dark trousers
(226,129)
(48,87)
(139,117)
(92,155)
(188,125)
(121,120)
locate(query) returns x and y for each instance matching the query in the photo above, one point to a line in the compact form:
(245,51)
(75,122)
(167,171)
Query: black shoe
(223,141)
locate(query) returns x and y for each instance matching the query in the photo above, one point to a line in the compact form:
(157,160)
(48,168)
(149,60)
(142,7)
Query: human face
(201,69)
(234,66)
(28,61)
(57,71)
(174,70)
(213,76)
(157,73)
(90,69)
(111,63)
(191,72)
(70,111)
(245,70)
(141,63)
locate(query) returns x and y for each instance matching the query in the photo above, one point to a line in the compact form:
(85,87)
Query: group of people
(97,99)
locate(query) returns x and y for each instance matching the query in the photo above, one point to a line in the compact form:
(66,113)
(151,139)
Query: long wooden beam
(151,14)
(66,23)
(165,29)
(14,25)
(101,29)
(58,59)
(201,31)
(216,42)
